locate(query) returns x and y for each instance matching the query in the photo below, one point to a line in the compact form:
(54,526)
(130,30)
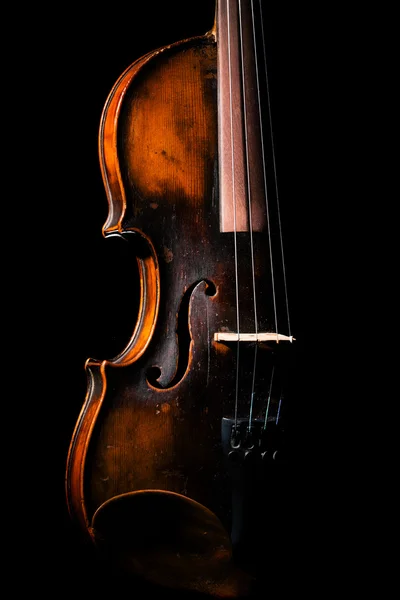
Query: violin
(180,448)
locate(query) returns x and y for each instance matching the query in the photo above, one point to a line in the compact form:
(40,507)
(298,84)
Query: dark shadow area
(85,287)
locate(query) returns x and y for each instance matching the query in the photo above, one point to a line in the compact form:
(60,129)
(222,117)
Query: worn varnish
(148,474)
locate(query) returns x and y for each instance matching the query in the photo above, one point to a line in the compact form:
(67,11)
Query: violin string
(256,54)
(274,171)
(269,397)
(253,380)
(264,166)
(234,218)
(249,210)
(278,413)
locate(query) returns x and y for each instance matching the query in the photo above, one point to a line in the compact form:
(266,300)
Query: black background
(78,285)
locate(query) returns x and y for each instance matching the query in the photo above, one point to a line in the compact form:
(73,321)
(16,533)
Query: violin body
(159,477)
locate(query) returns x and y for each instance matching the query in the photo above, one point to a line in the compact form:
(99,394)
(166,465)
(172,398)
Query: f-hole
(183,338)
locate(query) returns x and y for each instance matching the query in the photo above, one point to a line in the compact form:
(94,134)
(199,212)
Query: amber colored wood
(151,419)
(150,164)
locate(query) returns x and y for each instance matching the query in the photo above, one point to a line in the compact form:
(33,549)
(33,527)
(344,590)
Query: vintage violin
(178,451)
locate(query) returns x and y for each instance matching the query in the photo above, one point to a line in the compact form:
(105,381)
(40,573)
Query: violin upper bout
(152,152)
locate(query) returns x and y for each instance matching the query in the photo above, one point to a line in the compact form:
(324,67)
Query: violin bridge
(252,337)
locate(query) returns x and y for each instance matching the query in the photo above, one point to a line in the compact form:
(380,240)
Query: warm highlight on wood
(173,456)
